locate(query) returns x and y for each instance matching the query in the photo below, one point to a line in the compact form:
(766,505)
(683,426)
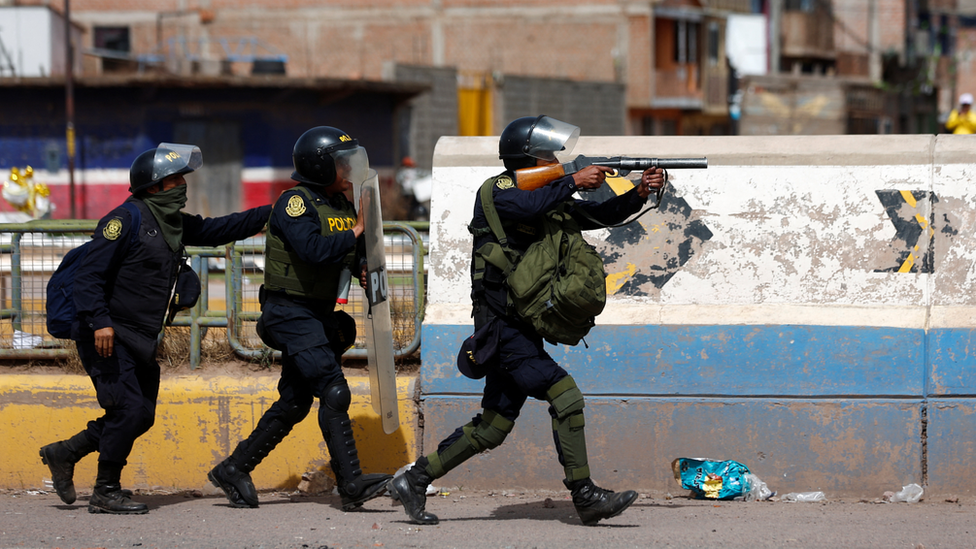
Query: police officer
(121,292)
(522,368)
(314,234)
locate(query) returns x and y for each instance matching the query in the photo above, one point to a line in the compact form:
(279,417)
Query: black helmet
(320,149)
(536,137)
(157,164)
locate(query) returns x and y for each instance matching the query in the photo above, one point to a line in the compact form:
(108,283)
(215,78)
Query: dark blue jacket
(126,285)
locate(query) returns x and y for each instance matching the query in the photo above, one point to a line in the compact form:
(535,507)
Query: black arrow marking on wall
(914,241)
(652,249)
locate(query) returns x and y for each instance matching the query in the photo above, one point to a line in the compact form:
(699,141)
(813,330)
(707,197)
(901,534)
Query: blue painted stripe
(952,355)
(799,361)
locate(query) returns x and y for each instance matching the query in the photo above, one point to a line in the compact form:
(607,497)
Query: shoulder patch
(504,182)
(112,229)
(295,207)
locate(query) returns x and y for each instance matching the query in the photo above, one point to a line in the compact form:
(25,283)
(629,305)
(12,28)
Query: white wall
(799,233)
(33,37)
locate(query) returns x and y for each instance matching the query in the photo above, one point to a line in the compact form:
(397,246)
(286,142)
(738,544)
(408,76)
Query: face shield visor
(174,158)
(351,164)
(549,136)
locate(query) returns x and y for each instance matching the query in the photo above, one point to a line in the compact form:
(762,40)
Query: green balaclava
(165,207)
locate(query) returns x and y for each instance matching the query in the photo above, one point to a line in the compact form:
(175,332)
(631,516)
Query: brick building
(612,66)
(668,55)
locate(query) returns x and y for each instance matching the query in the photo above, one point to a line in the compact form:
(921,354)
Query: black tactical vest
(286,272)
(142,287)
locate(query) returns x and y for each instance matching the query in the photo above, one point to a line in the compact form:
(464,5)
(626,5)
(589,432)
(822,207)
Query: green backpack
(559,284)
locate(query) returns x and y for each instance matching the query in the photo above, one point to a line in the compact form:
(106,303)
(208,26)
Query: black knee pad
(337,396)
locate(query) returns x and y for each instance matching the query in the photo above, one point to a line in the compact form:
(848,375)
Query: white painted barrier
(825,278)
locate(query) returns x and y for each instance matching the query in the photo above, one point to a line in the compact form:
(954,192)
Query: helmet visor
(351,164)
(174,158)
(549,136)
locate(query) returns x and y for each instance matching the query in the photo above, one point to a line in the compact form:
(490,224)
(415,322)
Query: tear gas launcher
(530,179)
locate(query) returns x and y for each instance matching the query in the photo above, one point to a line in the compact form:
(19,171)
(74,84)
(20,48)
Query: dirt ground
(202,518)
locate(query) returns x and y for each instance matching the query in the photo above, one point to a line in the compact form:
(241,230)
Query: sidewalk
(482,519)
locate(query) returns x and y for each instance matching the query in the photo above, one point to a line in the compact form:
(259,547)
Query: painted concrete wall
(199,421)
(805,306)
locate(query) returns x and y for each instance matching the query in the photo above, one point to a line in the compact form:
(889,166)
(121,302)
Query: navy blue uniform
(524,368)
(306,330)
(126,285)
(310,240)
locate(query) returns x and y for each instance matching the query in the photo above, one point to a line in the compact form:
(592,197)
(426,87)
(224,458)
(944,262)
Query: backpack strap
(498,253)
(491,214)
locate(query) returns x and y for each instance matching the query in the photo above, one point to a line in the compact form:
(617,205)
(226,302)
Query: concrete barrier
(805,306)
(199,421)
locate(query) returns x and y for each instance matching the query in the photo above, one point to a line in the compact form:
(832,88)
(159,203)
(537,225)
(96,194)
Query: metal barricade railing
(30,253)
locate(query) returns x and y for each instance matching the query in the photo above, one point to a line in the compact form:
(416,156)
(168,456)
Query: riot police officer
(121,293)
(520,366)
(313,235)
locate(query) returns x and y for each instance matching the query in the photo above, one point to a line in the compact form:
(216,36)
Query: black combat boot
(235,483)
(60,457)
(354,487)
(364,488)
(410,489)
(594,504)
(108,496)
(233,474)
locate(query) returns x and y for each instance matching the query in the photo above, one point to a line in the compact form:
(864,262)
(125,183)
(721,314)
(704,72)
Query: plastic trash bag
(803,497)
(711,479)
(908,494)
(757,489)
(24,340)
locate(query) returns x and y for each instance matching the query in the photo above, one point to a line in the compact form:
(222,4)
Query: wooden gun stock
(530,179)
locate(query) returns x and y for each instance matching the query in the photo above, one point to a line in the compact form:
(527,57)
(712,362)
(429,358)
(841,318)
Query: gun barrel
(625,164)
(681,163)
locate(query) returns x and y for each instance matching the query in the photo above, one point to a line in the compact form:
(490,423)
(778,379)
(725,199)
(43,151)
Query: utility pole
(69,103)
(874,42)
(774,48)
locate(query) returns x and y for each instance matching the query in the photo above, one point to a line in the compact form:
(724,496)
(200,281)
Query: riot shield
(378,324)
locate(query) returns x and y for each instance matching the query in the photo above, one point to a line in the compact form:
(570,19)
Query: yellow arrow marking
(909,197)
(616,281)
(906,267)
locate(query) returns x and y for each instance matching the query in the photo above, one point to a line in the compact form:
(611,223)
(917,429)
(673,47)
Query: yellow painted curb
(199,421)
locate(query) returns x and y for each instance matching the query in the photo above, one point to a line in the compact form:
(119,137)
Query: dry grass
(174,352)
(70,363)
(216,353)
(173,355)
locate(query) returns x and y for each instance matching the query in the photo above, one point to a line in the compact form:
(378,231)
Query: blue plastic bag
(711,479)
